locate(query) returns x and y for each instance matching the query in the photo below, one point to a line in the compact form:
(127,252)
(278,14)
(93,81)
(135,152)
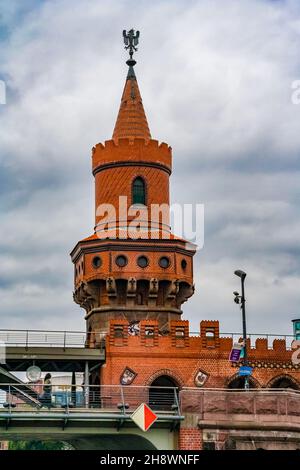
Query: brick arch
(283,376)
(169,373)
(253,380)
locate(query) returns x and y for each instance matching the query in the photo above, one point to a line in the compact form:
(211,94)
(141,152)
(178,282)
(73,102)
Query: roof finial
(131,40)
(131,121)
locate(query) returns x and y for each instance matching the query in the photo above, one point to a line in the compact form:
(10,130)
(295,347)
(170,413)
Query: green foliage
(38,445)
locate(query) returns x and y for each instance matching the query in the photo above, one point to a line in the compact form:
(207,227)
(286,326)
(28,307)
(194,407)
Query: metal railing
(40,338)
(81,339)
(254,336)
(105,398)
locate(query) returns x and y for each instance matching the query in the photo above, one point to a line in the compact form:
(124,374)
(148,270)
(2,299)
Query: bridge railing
(81,339)
(107,398)
(61,339)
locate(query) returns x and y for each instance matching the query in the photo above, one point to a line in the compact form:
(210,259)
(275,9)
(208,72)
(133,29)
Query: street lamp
(240,299)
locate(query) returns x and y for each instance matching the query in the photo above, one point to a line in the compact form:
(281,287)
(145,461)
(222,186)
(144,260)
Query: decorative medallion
(127,376)
(134,328)
(200,378)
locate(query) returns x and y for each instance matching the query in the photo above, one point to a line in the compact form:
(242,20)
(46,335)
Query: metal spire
(131,121)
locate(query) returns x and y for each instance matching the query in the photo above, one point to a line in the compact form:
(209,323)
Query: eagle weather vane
(131,40)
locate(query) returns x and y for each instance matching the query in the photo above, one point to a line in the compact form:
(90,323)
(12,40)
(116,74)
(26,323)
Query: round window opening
(121,261)
(142,261)
(97,262)
(183,264)
(164,262)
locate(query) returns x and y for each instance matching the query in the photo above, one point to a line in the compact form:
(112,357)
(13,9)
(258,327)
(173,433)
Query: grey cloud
(216,85)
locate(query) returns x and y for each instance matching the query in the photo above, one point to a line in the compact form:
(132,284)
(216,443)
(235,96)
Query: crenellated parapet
(195,361)
(132,152)
(210,342)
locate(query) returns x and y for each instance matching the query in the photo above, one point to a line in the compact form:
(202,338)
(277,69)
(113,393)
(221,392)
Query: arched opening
(162,292)
(239,383)
(142,292)
(39,445)
(112,442)
(163,393)
(284,381)
(139,191)
(121,291)
(95,391)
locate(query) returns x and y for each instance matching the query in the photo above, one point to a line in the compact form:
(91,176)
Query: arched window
(284,381)
(138,191)
(163,393)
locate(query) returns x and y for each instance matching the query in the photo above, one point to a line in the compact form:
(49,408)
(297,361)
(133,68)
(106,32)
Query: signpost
(245,371)
(144,417)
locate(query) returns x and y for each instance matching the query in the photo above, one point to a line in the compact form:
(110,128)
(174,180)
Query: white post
(86,384)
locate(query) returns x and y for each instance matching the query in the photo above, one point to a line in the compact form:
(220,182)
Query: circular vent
(164,262)
(142,261)
(121,261)
(97,262)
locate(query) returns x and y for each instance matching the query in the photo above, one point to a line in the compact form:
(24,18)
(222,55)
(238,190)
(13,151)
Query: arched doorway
(163,393)
(239,383)
(284,381)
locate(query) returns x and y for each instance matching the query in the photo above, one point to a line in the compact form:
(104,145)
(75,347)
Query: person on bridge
(47,391)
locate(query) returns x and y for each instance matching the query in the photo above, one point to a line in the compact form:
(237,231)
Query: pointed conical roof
(131,121)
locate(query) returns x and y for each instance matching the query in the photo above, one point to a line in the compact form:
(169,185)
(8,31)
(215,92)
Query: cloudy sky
(216,84)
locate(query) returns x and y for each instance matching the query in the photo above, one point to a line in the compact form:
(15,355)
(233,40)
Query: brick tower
(132,267)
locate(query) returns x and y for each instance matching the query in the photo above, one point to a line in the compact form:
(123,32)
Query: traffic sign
(144,417)
(245,370)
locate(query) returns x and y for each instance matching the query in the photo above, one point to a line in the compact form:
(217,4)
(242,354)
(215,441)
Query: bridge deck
(59,359)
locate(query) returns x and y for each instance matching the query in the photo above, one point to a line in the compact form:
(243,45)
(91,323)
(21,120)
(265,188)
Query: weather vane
(131,40)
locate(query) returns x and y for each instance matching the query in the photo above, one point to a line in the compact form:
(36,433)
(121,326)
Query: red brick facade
(181,357)
(190,439)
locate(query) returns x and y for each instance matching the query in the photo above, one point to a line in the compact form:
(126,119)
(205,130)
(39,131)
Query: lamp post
(241,299)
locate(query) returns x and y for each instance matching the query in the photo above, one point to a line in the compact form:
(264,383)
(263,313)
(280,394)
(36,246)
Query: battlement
(208,342)
(132,150)
(190,360)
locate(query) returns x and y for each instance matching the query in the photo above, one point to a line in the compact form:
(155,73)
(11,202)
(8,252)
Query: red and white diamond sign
(144,417)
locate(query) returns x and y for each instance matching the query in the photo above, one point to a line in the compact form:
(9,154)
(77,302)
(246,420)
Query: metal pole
(9,399)
(86,384)
(245,359)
